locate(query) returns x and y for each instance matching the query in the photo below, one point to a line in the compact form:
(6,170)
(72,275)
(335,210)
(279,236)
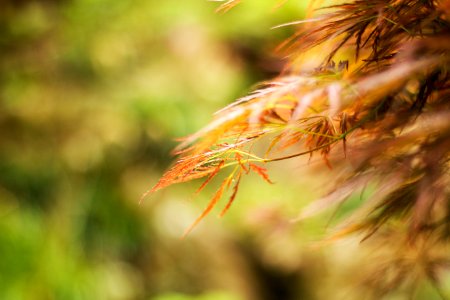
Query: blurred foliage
(92,95)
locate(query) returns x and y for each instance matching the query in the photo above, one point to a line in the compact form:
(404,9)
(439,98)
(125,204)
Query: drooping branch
(391,100)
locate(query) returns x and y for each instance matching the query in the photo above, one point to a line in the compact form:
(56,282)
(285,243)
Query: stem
(299,153)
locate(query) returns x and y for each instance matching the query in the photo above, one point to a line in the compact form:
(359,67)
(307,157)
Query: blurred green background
(93,94)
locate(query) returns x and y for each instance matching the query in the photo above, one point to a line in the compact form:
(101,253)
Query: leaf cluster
(377,106)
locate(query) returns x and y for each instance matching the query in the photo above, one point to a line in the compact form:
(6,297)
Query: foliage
(376,107)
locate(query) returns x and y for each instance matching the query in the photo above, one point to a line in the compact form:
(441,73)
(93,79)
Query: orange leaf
(230,201)
(211,176)
(274,141)
(228,5)
(262,172)
(239,159)
(210,206)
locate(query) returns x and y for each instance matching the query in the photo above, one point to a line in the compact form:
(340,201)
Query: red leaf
(261,172)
